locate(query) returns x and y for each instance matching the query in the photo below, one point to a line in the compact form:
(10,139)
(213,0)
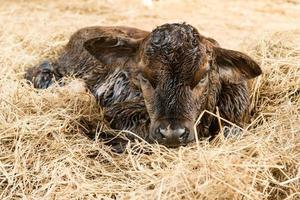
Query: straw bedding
(44,153)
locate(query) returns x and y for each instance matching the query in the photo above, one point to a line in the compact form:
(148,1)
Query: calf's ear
(110,49)
(235,66)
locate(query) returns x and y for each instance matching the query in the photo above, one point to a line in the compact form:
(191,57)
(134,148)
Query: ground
(45,155)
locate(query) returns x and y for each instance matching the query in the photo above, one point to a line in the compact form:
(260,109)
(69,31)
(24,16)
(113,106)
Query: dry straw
(45,155)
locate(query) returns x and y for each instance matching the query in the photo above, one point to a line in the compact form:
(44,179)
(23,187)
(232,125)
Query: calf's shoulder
(84,34)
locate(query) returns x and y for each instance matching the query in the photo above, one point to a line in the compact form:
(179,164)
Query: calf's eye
(199,78)
(203,78)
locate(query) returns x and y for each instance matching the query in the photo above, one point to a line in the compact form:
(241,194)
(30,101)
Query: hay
(45,155)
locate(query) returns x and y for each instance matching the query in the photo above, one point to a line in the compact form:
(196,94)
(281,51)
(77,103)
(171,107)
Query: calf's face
(179,69)
(175,68)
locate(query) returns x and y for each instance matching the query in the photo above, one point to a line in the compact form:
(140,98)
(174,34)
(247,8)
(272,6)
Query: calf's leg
(43,75)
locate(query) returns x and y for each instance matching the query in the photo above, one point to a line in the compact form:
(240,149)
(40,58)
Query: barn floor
(44,155)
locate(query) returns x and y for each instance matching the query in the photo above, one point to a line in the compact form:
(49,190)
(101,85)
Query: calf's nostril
(184,134)
(161,133)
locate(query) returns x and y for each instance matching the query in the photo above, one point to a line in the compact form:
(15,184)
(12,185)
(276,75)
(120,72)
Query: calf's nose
(172,136)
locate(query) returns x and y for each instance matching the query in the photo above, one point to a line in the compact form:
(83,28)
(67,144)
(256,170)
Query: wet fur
(114,78)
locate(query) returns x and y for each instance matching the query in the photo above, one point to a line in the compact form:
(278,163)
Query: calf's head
(181,73)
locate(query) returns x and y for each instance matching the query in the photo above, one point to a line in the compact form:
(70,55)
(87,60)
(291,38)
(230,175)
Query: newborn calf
(156,83)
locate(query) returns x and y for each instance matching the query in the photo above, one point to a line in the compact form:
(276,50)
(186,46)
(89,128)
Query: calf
(156,83)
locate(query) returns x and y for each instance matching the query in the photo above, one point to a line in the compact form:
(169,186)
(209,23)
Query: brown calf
(156,83)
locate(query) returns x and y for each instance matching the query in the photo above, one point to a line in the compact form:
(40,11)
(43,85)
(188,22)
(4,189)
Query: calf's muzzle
(172,133)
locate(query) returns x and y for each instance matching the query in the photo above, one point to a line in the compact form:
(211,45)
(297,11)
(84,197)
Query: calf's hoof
(41,76)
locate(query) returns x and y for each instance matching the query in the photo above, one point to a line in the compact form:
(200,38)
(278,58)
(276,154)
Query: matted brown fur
(156,83)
